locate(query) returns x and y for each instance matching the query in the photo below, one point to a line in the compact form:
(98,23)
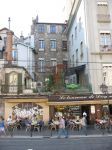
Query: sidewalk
(46,133)
(55,137)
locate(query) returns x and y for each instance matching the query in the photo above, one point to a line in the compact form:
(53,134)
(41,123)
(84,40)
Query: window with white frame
(53,62)
(107,74)
(102,7)
(41,44)
(52,28)
(41,28)
(41,65)
(53,44)
(105,38)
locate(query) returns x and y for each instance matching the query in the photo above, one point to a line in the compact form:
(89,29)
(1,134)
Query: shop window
(24,110)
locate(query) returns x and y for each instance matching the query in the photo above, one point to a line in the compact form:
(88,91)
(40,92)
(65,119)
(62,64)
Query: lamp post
(104,89)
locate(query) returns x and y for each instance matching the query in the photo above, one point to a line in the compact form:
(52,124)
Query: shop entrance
(71,112)
(86,108)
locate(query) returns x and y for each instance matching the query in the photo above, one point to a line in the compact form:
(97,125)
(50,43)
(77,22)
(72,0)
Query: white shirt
(84,114)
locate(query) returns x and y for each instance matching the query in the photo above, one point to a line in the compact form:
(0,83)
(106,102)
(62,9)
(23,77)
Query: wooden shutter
(20,83)
(6,86)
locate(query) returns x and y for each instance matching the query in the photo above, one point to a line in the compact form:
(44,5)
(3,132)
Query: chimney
(8,50)
(21,39)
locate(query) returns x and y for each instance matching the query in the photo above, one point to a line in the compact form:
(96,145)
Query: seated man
(9,120)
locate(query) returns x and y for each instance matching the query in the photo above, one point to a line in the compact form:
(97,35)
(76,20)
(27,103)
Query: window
(72,39)
(105,39)
(52,29)
(41,44)
(14,54)
(81,49)
(76,56)
(13,82)
(80,24)
(63,28)
(103,14)
(65,63)
(53,62)
(53,44)
(75,32)
(41,65)
(41,28)
(64,45)
(102,7)
(107,74)
(72,60)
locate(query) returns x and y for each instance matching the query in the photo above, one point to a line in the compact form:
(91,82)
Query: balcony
(11,89)
(103,18)
(106,48)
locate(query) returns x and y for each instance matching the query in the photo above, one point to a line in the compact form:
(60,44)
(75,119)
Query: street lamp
(104,89)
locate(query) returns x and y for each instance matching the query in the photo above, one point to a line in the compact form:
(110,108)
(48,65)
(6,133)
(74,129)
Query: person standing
(84,114)
(84,124)
(2,126)
(61,129)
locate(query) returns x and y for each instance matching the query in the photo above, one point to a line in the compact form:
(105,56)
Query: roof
(6,29)
(51,23)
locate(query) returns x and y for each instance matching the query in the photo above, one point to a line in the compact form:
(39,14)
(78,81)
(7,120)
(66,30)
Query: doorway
(86,108)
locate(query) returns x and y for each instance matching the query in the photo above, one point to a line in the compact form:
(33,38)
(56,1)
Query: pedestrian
(61,129)
(2,126)
(84,124)
(84,114)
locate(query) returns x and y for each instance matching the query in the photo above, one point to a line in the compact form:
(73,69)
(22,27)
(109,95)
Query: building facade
(50,46)
(89,33)
(89,37)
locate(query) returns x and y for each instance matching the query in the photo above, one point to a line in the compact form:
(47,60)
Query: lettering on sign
(79,97)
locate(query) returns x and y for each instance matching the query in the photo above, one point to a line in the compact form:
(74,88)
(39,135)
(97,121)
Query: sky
(21,13)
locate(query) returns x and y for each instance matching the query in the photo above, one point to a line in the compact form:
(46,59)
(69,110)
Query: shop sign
(92,109)
(79,97)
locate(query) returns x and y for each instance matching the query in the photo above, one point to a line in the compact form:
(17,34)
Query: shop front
(25,107)
(72,106)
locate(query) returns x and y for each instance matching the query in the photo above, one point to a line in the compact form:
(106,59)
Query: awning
(74,70)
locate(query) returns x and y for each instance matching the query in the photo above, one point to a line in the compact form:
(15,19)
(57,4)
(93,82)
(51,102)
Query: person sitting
(9,120)
(41,124)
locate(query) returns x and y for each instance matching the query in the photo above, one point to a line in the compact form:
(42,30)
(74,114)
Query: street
(77,143)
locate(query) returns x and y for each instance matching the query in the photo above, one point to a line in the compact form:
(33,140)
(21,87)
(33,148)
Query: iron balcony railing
(106,48)
(11,89)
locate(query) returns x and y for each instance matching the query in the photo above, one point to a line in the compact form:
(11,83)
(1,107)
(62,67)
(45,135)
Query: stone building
(50,46)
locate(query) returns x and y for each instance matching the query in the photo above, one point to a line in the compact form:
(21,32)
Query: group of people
(63,123)
(26,122)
